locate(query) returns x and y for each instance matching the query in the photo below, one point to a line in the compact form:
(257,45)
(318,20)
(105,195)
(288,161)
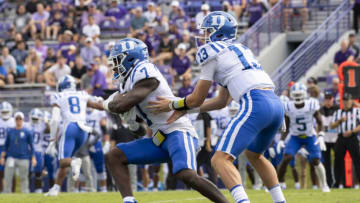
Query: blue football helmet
(66,83)
(125,55)
(218,26)
(35,115)
(6,110)
(298,93)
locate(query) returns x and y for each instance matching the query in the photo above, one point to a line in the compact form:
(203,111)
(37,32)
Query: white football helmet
(298,93)
(6,110)
(36,115)
(66,83)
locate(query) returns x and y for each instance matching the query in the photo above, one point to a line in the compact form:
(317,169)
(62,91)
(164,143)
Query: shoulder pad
(209,51)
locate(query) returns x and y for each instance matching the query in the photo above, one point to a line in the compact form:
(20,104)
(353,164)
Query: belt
(302,136)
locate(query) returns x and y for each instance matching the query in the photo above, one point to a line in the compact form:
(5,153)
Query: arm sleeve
(208,70)
(54,122)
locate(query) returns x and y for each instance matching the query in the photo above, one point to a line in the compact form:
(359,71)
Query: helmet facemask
(5,114)
(298,96)
(204,36)
(35,120)
(118,67)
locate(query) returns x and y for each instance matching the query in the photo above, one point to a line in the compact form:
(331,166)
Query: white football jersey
(5,124)
(232,66)
(93,119)
(222,118)
(38,132)
(302,120)
(72,104)
(156,121)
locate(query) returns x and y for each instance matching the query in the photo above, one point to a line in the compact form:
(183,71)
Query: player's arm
(286,132)
(319,123)
(55,121)
(219,102)
(122,103)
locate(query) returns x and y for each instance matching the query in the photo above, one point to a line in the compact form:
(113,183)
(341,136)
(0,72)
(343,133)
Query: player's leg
(155,168)
(327,163)
(50,164)
(99,163)
(182,148)
(314,156)
(38,171)
(242,165)
(295,173)
(2,167)
(141,151)
(9,172)
(290,150)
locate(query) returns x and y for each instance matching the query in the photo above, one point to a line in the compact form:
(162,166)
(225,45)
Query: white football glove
(51,149)
(280,145)
(303,152)
(321,142)
(106,147)
(272,152)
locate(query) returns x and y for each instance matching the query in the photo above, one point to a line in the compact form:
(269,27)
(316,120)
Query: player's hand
(321,142)
(304,152)
(272,152)
(161,105)
(347,133)
(2,161)
(176,115)
(33,162)
(280,146)
(51,149)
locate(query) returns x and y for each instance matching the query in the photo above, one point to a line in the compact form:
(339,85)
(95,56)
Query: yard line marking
(189,199)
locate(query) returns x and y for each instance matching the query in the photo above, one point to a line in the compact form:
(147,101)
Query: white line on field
(189,199)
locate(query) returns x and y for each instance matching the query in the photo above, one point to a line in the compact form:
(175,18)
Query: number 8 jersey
(72,104)
(302,120)
(232,66)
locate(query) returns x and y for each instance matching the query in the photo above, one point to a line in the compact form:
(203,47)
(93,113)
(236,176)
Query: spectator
(13,40)
(175,6)
(345,54)
(189,43)
(3,75)
(289,12)
(9,63)
(50,59)
(165,50)
(89,51)
(19,149)
(64,46)
(255,10)
(226,7)
(175,35)
(31,6)
(80,7)
(356,15)
(41,49)
(138,22)
(353,47)
(115,10)
(98,80)
(186,88)
(150,14)
(22,19)
(79,69)
(38,21)
(70,59)
(142,36)
(180,64)
(193,28)
(181,21)
(20,55)
(98,16)
(32,64)
(153,39)
(55,72)
(69,26)
(92,30)
(54,26)
(327,111)
(162,25)
(334,89)
(205,10)
(347,123)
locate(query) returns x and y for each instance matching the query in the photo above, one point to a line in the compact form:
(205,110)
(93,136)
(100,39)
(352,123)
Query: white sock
(297,185)
(277,194)
(103,189)
(129,199)
(320,171)
(239,194)
(39,190)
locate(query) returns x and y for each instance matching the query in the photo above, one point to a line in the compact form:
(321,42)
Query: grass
(301,196)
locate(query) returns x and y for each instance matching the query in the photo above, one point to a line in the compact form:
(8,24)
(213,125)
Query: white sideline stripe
(189,199)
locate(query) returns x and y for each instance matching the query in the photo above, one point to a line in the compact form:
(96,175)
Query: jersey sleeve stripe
(221,46)
(216,49)
(133,73)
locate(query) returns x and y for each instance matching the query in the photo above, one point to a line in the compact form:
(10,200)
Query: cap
(19,114)
(328,95)
(181,46)
(88,39)
(138,8)
(150,4)
(226,3)
(92,4)
(347,96)
(205,7)
(175,3)
(68,32)
(93,63)
(291,83)
(111,43)
(186,32)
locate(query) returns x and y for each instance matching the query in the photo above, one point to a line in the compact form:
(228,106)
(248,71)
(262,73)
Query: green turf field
(292,196)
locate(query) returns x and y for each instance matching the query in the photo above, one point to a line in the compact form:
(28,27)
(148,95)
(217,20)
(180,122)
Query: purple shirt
(98,18)
(36,16)
(98,78)
(185,91)
(64,47)
(180,21)
(180,65)
(118,12)
(42,51)
(255,12)
(340,56)
(154,41)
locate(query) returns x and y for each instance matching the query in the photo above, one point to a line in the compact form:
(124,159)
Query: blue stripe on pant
(179,147)
(255,125)
(72,139)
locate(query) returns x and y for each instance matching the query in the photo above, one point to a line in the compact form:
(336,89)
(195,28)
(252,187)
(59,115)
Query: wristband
(106,105)
(180,104)
(171,105)
(321,133)
(194,110)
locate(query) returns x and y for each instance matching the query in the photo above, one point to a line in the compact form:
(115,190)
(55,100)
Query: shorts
(39,162)
(254,127)
(295,143)
(50,163)
(71,140)
(179,147)
(98,157)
